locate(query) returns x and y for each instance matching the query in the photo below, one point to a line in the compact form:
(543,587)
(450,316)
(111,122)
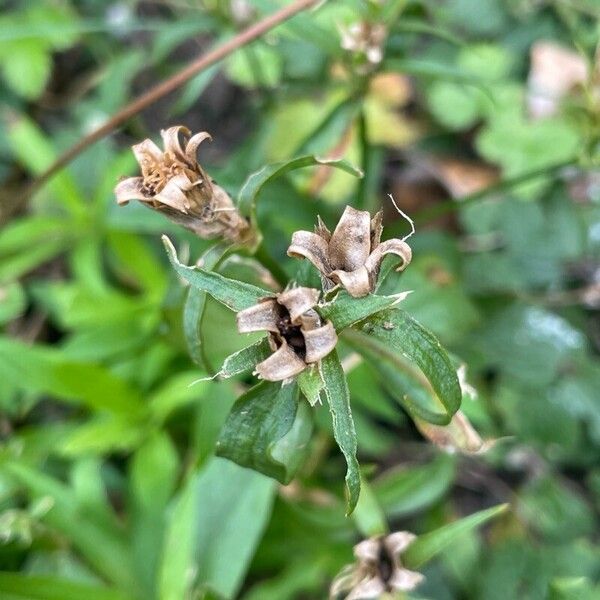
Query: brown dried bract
(174,183)
(297,336)
(352,254)
(378,569)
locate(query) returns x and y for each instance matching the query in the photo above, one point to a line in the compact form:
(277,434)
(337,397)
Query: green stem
(455,204)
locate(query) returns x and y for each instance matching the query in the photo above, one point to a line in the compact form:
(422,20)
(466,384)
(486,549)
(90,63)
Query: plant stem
(455,204)
(162,89)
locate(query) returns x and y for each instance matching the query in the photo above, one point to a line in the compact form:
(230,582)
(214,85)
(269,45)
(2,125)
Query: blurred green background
(482,118)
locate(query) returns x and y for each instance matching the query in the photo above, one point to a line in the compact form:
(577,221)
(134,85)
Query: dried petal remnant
(365,41)
(378,569)
(174,183)
(296,334)
(352,254)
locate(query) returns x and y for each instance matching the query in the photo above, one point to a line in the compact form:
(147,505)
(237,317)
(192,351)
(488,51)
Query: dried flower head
(297,336)
(352,255)
(365,41)
(378,569)
(174,183)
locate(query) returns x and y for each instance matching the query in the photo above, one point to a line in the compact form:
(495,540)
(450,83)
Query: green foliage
(140,457)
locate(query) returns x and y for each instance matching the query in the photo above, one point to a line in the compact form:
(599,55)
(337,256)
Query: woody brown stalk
(162,89)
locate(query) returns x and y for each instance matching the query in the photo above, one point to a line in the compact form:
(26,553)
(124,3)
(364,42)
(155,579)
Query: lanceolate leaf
(431,392)
(254,184)
(236,295)
(47,587)
(405,491)
(425,547)
(256,426)
(41,369)
(193,310)
(369,515)
(345,310)
(177,559)
(338,397)
(245,359)
(234,506)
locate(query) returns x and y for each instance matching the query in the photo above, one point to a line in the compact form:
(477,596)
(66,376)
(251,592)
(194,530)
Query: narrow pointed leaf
(255,182)
(234,506)
(413,366)
(177,561)
(338,397)
(405,491)
(345,310)
(427,546)
(369,516)
(195,304)
(49,587)
(245,359)
(235,295)
(41,369)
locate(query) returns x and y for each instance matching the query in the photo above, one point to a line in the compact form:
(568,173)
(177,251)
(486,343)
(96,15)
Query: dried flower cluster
(378,569)
(365,41)
(297,336)
(350,256)
(174,183)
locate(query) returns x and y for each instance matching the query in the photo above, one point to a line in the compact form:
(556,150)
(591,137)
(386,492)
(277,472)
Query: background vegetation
(481,118)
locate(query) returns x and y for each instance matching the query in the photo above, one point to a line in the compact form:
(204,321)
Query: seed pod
(350,256)
(175,184)
(297,336)
(378,569)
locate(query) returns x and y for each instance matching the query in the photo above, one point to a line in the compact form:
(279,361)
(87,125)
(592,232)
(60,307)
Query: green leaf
(15,266)
(311,384)
(12,302)
(27,68)
(215,526)
(258,65)
(35,151)
(154,473)
(153,478)
(427,546)
(267,431)
(105,548)
(245,359)
(175,575)
(254,184)
(100,435)
(432,391)
(178,391)
(193,310)
(41,369)
(345,310)
(235,295)
(48,587)
(519,146)
(338,397)
(234,505)
(369,516)
(435,70)
(404,491)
